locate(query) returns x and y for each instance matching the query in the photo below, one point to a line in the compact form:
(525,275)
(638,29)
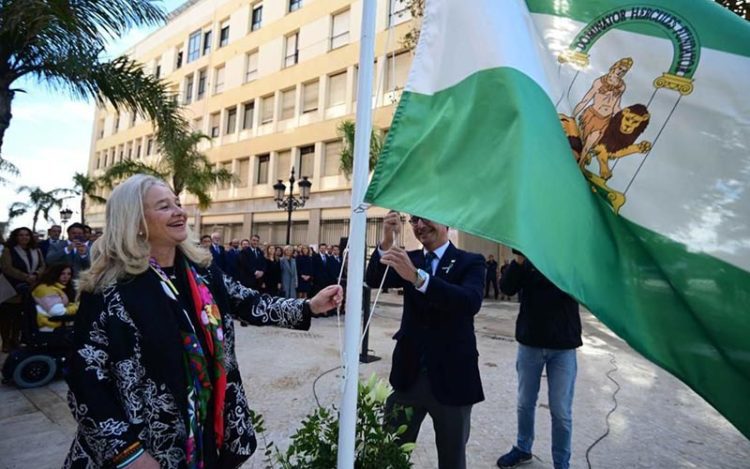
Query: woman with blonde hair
(288,273)
(153,379)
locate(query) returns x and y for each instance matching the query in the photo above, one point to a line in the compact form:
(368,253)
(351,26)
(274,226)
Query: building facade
(269,81)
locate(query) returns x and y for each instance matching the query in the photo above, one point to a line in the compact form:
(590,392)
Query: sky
(49,137)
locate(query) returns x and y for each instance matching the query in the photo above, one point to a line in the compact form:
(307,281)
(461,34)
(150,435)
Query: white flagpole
(353,323)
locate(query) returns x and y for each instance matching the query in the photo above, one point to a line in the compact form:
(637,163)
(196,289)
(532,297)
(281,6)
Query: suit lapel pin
(448,267)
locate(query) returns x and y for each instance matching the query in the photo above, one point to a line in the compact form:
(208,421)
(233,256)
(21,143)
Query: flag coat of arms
(611,143)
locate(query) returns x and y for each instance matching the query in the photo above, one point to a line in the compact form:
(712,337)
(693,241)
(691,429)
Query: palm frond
(127,168)
(6,167)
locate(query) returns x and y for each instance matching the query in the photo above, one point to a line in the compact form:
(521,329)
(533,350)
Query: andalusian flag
(609,140)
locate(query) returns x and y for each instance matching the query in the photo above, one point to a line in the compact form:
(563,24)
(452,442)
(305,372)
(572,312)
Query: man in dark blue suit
(53,238)
(218,252)
(233,259)
(252,264)
(321,272)
(435,366)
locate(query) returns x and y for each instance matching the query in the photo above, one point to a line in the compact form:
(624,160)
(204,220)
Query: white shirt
(439,252)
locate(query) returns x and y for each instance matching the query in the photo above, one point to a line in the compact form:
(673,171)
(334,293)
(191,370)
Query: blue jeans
(561,377)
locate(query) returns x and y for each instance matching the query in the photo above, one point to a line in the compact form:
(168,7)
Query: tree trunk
(33,225)
(83,208)
(6,96)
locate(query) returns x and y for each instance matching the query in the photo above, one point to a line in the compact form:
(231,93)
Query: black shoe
(514,458)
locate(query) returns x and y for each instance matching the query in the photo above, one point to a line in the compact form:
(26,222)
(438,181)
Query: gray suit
(288,277)
(57,255)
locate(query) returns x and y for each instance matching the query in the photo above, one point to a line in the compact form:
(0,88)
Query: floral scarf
(201,386)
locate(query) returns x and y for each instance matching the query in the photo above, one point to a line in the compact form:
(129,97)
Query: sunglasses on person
(414,220)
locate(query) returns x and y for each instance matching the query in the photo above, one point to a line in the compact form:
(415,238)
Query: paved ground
(658,423)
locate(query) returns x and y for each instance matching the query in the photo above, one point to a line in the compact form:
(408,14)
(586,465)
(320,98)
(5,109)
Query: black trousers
(490,280)
(452,424)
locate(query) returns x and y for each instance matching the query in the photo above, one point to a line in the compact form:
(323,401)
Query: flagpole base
(367,358)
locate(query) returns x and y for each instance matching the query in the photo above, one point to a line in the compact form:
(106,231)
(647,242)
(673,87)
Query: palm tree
(180,162)
(346,131)
(39,201)
(86,187)
(60,43)
(6,167)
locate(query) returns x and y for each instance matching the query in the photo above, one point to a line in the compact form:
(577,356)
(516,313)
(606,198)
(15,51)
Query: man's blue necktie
(428,258)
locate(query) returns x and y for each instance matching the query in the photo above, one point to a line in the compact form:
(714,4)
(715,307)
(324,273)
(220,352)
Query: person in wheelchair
(55,299)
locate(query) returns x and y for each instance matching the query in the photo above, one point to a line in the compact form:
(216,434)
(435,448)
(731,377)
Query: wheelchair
(42,356)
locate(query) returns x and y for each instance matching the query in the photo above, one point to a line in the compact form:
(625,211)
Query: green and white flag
(609,140)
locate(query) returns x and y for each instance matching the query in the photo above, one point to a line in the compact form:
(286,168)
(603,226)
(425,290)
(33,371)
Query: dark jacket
(437,327)
(57,255)
(126,376)
(219,255)
(232,257)
(548,317)
(250,261)
(321,272)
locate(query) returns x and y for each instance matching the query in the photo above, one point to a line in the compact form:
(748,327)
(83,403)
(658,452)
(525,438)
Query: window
(219,79)
(340,30)
(291,53)
(294,5)
(398,12)
(251,66)
(231,121)
(188,94)
(228,168)
(133,117)
(201,84)
(214,125)
(283,164)
(310,96)
(129,153)
(266,112)
(243,172)
(98,161)
(149,145)
(262,176)
(119,154)
(332,158)
(306,161)
(248,113)
(396,71)
(198,124)
(206,42)
(337,89)
(157,70)
(224,34)
(138,150)
(178,61)
(256,18)
(194,46)
(116,125)
(100,127)
(287,103)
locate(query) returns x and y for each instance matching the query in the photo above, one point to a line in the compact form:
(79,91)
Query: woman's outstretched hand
(327,299)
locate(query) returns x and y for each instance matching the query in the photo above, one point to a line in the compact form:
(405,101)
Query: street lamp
(289,202)
(65,215)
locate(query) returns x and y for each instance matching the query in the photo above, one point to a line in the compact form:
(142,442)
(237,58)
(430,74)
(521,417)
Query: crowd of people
(47,270)
(289,271)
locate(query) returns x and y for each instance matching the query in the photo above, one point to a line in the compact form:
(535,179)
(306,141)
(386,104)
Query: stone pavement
(658,423)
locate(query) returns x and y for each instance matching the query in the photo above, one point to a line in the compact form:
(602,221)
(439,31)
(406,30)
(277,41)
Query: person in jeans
(548,331)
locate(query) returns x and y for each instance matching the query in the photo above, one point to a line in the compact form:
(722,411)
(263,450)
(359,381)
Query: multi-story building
(269,81)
